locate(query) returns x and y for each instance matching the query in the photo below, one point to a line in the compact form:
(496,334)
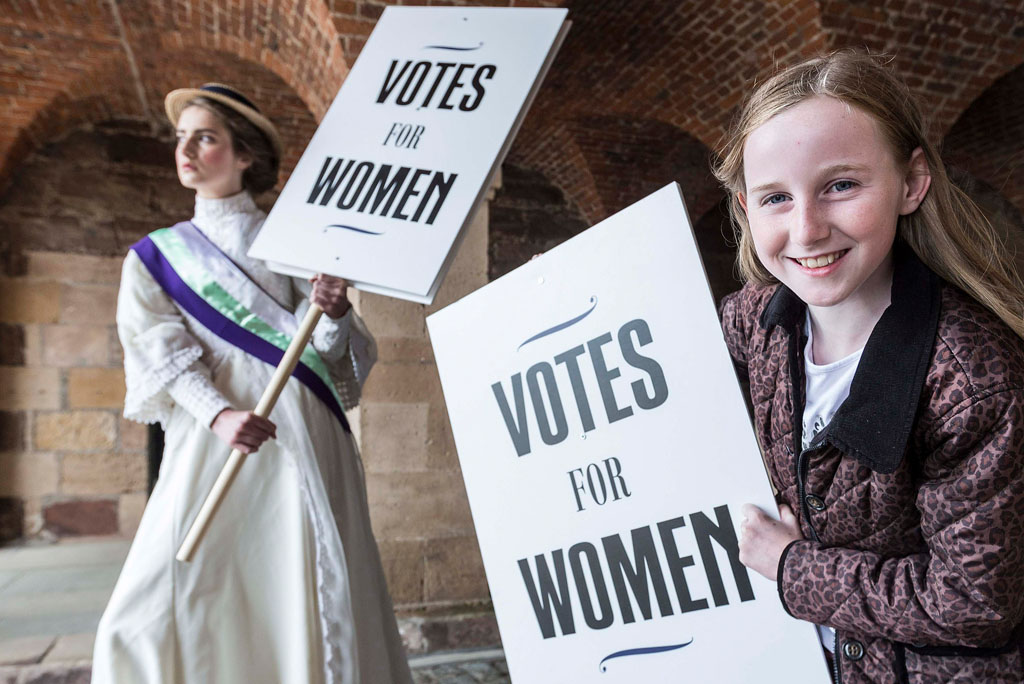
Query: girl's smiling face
(823,194)
(205,157)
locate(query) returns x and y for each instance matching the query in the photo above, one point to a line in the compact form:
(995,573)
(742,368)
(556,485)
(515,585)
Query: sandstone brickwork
(65,453)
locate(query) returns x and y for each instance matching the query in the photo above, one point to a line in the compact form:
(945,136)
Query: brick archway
(103,172)
(988,138)
(630,158)
(86,62)
(949,53)
(686,67)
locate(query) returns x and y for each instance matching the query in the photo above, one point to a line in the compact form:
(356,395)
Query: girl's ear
(916,183)
(742,200)
(243,160)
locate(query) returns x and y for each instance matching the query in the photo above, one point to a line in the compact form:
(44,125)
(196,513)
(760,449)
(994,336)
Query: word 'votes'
(445,79)
(543,386)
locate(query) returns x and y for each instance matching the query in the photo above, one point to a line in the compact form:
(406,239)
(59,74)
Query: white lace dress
(287,585)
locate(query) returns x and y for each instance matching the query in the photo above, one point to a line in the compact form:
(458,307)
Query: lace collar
(214,210)
(230,222)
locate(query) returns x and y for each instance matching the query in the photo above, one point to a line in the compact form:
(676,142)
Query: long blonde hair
(948,231)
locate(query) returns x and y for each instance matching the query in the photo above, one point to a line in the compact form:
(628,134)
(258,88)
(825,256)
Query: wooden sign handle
(237,458)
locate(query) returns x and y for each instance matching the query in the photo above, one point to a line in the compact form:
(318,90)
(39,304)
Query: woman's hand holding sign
(243,430)
(330,294)
(763,539)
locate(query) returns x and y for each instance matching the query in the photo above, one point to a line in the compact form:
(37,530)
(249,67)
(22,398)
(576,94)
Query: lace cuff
(194,392)
(145,400)
(349,352)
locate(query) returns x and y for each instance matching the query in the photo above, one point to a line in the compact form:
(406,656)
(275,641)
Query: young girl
(287,585)
(880,329)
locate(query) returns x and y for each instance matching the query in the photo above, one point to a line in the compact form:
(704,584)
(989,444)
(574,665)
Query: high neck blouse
(232,224)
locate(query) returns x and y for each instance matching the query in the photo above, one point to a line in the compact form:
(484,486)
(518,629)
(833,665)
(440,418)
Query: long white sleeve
(161,358)
(194,391)
(346,346)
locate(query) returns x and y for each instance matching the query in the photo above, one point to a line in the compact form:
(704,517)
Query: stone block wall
(418,503)
(68,461)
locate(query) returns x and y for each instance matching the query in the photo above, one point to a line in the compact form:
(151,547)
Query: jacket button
(815,503)
(853,649)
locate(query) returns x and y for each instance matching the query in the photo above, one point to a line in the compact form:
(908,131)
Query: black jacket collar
(873,424)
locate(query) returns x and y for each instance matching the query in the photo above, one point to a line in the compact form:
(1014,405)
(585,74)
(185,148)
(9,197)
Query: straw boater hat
(177,100)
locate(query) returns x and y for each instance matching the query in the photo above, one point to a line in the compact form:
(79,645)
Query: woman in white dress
(287,585)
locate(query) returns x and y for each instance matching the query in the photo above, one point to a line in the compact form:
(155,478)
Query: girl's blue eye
(842,186)
(777,198)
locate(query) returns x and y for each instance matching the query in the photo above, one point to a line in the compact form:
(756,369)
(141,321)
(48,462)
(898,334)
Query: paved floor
(52,596)
(57,589)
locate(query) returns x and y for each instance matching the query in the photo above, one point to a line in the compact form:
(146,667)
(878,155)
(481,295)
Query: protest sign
(606,452)
(402,159)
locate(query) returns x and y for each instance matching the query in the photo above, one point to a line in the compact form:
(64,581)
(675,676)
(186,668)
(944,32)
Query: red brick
(78,518)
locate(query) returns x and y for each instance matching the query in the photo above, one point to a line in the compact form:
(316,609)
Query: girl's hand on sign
(243,430)
(330,294)
(763,539)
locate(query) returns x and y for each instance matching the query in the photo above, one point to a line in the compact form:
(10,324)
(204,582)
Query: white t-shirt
(826,388)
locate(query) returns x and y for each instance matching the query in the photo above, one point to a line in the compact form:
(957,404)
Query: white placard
(606,452)
(402,159)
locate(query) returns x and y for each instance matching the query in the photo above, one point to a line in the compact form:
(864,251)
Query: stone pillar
(418,502)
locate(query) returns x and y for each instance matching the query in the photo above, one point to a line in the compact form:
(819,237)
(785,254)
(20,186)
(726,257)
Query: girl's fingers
(786,514)
(751,512)
(244,445)
(329,281)
(258,428)
(254,437)
(257,425)
(331,297)
(262,424)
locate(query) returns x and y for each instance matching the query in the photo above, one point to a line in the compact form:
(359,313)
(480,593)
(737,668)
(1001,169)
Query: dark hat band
(229,93)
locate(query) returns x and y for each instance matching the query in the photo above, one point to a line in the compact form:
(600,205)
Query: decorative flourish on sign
(641,651)
(561,326)
(453,47)
(353,228)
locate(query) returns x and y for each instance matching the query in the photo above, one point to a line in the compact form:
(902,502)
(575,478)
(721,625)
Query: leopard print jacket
(911,501)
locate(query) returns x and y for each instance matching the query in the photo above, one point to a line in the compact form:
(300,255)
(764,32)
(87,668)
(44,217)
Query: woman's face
(206,160)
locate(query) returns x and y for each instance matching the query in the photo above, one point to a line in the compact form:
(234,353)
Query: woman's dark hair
(248,140)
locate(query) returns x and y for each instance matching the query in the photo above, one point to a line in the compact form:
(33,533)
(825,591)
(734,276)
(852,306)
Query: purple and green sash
(204,282)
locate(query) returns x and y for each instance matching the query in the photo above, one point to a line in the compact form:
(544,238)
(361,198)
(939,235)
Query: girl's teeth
(818,262)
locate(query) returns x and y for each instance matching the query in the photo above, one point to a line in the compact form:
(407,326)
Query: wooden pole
(237,458)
